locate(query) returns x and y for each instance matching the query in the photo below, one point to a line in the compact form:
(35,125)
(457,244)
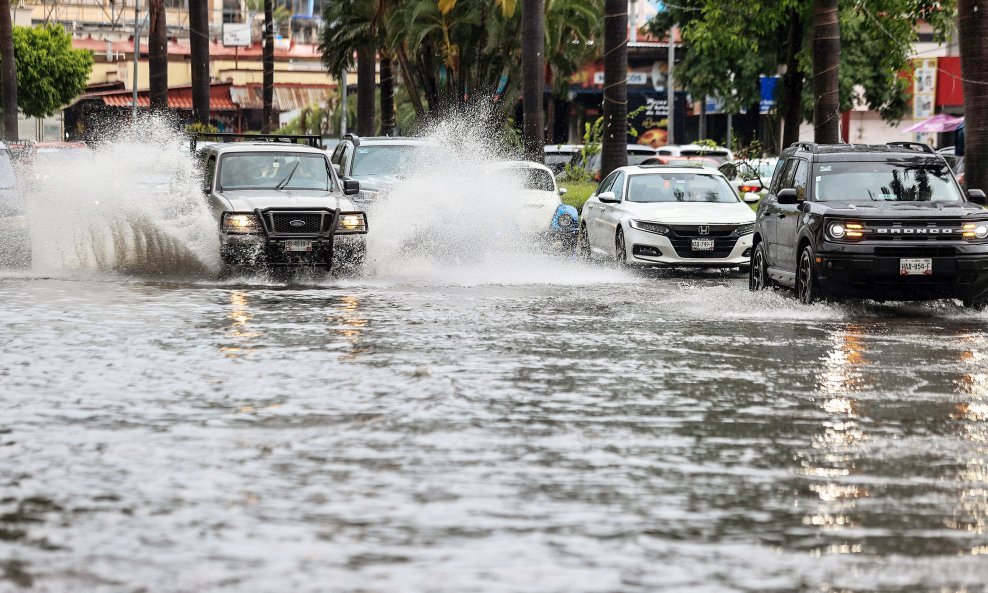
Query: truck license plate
(703,244)
(915,267)
(298,245)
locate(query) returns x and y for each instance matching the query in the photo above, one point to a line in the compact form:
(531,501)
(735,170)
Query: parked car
(683,162)
(557,155)
(750,178)
(886,222)
(637,153)
(280,204)
(667,216)
(377,163)
(722,155)
(542,213)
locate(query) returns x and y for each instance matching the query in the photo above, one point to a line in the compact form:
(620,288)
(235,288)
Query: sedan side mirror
(729,170)
(751,198)
(977,196)
(351,187)
(787,196)
(562,191)
(608,197)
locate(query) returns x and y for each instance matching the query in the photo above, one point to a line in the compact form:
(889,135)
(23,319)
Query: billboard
(236,35)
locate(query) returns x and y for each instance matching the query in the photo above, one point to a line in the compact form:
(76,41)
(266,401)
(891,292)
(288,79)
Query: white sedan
(667,216)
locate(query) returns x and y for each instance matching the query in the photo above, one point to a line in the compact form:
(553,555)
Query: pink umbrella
(940,122)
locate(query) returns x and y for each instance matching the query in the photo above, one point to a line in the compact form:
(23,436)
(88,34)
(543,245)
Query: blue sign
(768,84)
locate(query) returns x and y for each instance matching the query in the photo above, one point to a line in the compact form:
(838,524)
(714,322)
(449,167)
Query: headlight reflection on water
(971,515)
(240,331)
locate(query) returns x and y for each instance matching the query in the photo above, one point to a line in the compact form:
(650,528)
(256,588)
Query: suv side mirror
(787,196)
(351,187)
(977,196)
(729,170)
(608,197)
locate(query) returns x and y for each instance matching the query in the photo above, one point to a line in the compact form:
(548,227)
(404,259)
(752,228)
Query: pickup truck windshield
(884,182)
(274,170)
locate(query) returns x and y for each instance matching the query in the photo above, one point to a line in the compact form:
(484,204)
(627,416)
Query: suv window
(800,178)
(337,154)
(783,174)
(884,181)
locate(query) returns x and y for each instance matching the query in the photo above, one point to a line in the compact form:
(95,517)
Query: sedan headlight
(650,227)
(351,223)
(241,223)
(745,229)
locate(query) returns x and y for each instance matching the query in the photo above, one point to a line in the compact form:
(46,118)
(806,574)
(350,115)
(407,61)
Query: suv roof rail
(352,138)
(312,140)
(808,146)
(916,146)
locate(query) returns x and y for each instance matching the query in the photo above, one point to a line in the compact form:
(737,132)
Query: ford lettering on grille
(914,231)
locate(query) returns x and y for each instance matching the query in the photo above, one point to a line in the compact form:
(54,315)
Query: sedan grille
(694,230)
(723,246)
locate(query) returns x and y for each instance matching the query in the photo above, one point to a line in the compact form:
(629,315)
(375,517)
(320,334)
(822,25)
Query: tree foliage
(50,74)
(732,43)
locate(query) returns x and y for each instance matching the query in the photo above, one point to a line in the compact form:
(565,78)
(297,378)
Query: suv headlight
(351,223)
(745,229)
(650,227)
(241,223)
(976,230)
(844,231)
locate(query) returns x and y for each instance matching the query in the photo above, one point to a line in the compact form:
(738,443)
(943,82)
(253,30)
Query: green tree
(732,43)
(50,74)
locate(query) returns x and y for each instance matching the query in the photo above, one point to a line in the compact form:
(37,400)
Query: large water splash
(131,205)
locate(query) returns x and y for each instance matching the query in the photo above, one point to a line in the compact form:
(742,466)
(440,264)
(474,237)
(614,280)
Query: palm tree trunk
(826,66)
(199,47)
(793,82)
(973,28)
(410,82)
(158,56)
(8,72)
(614,148)
(268,65)
(366,65)
(387,96)
(533,77)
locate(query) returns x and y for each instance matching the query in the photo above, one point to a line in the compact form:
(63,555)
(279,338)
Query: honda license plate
(298,245)
(703,244)
(915,267)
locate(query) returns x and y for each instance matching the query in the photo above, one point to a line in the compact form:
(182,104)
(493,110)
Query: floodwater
(504,422)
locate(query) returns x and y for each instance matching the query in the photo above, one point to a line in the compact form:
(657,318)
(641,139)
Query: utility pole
(199,46)
(268,59)
(138,25)
(343,105)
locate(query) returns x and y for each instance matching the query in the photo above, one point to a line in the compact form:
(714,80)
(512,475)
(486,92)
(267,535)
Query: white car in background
(541,212)
(750,179)
(719,153)
(657,215)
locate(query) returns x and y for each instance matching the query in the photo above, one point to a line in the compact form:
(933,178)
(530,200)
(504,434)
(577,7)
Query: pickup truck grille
(289,222)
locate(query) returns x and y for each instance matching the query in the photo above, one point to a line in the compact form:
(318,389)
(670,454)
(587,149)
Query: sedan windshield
(383,160)
(680,187)
(884,182)
(274,170)
(536,179)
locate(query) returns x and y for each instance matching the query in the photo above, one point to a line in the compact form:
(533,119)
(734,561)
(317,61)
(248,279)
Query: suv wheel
(758,270)
(620,249)
(583,242)
(807,287)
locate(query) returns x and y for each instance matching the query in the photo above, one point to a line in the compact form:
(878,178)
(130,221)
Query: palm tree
(351,26)
(267,93)
(826,66)
(199,47)
(366,69)
(158,56)
(8,72)
(973,28)
(387,96)
(614,145)
(533,76)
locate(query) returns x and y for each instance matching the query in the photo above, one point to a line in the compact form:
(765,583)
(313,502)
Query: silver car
(279,204)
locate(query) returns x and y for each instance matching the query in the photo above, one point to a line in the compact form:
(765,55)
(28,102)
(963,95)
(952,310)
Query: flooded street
(546,427)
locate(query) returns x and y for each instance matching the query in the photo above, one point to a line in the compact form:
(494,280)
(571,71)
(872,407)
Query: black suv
(886,222)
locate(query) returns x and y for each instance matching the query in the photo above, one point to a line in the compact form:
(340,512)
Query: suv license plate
(298,245)
(915,267)
(703,244)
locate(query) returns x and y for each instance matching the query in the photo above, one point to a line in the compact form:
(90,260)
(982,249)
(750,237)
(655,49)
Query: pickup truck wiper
(281,185)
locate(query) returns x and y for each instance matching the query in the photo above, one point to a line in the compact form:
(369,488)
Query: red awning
(179,98)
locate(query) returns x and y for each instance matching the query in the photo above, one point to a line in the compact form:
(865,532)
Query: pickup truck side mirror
(787,196)
(608,197)
(977,196)
(351,187)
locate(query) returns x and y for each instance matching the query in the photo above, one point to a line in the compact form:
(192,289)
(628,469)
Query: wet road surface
(574,430)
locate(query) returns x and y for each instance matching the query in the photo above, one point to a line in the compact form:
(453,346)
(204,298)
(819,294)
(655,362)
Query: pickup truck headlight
(241,223)
(351,223)
(650,227)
